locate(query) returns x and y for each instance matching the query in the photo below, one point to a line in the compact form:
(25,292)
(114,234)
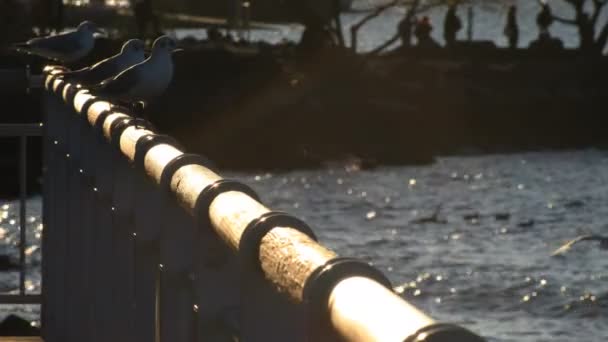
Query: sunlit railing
(148,243)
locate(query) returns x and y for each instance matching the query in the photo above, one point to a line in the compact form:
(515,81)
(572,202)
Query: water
(491,274)
(488,24)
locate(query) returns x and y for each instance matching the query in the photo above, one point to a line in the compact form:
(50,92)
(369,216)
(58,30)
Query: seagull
(132,53)
(65,47)
(563,249)
(144,81)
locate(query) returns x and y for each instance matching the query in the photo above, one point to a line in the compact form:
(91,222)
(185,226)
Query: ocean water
(485,264)
(488,21)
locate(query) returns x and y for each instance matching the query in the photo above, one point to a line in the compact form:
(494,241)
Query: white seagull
(132,52)
(563,249)
(142,82)
(67,47)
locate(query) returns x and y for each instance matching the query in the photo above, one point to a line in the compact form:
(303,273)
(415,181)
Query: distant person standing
(423,33)
(511,28)
(586,32)
(405,31)
(544,19)
(144,16)
(451,26)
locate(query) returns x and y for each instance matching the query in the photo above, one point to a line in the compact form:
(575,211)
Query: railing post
(76,265)
(124,246)
(56,183)
(176,292)
(148,218)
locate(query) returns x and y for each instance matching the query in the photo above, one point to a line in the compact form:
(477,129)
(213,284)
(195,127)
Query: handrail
(341,296)
(21,131)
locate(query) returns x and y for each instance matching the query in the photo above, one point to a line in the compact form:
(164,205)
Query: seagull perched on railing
(65,47)
(132,52)
(144,81)
(602,239)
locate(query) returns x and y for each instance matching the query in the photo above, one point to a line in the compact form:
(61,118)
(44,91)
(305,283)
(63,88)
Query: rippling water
(487,266)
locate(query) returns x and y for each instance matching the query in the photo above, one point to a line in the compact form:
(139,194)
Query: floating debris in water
(574,204)
(370,215)
(526,224)
(502,216)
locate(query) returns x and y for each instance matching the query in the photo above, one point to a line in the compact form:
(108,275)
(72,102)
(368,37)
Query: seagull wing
(96,73)
(74,74)
(120,85)
(56,46)
(563,249)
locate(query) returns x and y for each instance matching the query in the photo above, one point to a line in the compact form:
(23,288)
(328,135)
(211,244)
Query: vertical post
(55,232)
(217,284)
(147,221)
(176,292)
(470,23)
(123,242)
(76,263)
(22,204)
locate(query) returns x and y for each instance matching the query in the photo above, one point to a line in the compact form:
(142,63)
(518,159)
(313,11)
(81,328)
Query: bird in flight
(67,47)
(131,53)
(603,240)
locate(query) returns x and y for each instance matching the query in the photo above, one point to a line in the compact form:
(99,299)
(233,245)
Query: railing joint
(320,284)
(182,160)
(209,193)
(146,142)
(249,244)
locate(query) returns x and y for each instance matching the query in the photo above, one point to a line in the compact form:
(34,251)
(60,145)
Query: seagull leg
(139,111)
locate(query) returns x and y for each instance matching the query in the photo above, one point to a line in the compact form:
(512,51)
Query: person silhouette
(451,26)
(423,33)
(511,28)
(544,19)
(405,31)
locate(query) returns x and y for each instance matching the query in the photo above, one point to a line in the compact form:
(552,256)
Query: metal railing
(21,131)
(148,243)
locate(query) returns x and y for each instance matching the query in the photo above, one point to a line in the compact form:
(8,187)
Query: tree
(593,36)
(412,9)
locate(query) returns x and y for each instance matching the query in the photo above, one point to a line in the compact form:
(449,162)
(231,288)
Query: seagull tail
(20,47)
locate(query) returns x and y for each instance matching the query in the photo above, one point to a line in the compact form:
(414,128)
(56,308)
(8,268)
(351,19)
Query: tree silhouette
(593,36)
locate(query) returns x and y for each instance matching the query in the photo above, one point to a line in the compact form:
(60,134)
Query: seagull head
(133,46)
(91,28)
(164,45)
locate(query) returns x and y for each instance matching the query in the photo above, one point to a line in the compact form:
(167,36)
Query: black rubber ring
(178,162)
(321,282)
(116,129)
(71,94)
(444,332)
(119,126)
(87,105)
(146,142)
(251,239)
(51,82)
(101,118)
(203,202)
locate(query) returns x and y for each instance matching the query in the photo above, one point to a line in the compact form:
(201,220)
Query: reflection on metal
(145,242)
(21,131)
